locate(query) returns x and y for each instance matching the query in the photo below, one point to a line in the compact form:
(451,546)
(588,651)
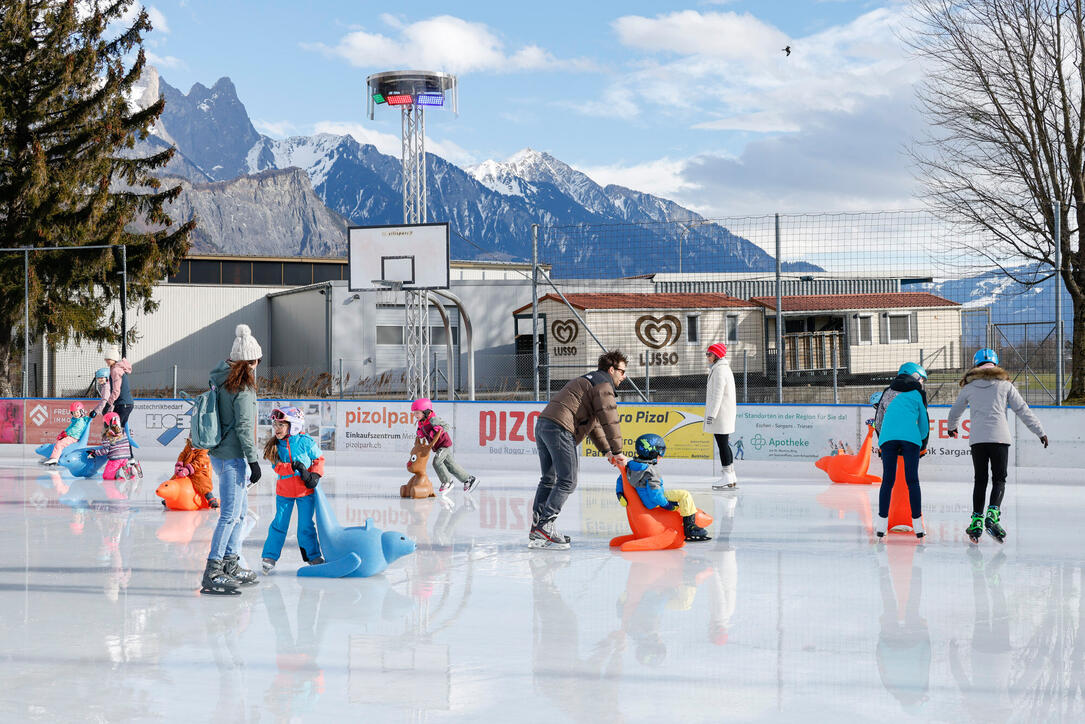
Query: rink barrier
(377,431)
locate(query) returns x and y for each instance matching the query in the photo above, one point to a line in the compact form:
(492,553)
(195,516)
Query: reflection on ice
(103,622)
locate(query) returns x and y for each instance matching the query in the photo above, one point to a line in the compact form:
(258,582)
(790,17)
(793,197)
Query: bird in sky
(787,50)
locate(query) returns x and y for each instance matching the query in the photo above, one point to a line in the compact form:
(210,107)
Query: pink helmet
(718,349)
(291,415)
(76,406)
(111,418)
(422,404)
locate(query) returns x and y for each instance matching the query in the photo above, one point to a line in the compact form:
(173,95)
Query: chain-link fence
(860,295)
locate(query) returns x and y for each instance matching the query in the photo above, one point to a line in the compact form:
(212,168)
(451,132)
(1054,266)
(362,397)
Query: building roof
(844,302)
(625,300)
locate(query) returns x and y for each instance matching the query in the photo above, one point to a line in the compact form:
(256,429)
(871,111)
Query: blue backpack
(206,431)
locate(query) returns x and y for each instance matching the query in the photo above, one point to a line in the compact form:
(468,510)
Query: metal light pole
(412,90)
(779,323)
(1058,305)
(26,323)
(535,309)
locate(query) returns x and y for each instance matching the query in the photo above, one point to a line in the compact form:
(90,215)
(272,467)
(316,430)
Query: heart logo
(658,332)
(564,330)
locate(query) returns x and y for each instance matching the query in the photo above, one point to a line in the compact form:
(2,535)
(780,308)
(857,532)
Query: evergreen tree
(68,176)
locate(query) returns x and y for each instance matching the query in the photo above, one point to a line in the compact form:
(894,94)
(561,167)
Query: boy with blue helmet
(987,391)
(648,449)
(903,430)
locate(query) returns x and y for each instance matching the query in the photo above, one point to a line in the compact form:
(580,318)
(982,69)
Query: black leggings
(998,455)
(725,449)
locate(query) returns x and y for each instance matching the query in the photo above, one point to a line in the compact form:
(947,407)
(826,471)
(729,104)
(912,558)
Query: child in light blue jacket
(71,434)
(903,428)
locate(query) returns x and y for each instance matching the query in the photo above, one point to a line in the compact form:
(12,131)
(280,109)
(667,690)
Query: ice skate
(50,462)
(216,582)
(546,535)
(729,481)
(693,531)
(137,468)
(231,566)
(881,525)
(991,522)
(268,565)
(315,561)
(917,527)
(446,485)
(470,484)
(975,528)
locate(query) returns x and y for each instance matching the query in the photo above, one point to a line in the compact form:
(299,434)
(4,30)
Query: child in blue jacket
(649,485)
(71,433)
(903,429)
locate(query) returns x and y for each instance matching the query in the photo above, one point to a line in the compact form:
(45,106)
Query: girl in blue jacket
(903,429)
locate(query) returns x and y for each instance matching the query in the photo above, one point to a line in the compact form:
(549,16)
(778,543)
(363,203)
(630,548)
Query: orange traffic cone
(851,468)
(900,504)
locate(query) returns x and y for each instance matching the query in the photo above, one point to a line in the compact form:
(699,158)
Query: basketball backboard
(414,256)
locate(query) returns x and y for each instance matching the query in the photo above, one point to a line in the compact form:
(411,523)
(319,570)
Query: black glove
(1043,439)
(309,479)
(93,414)
(254,473)
(670,506)
(952,433)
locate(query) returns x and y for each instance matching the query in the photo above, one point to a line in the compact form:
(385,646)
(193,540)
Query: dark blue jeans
(909,452)
(560,463)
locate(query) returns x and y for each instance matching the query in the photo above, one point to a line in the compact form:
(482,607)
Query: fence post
(836,390)
(1058,305)
(340,378)
(746,375)
(535,309)
(26,323)
(548,376)
(779,323)
(175,382)
(647,377)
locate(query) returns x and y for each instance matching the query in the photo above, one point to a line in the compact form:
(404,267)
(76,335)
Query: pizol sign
(657,333)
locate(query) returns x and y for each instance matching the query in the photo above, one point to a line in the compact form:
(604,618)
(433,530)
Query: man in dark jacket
(586,406)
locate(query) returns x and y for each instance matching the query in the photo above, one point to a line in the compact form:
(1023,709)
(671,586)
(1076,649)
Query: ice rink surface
(790,613)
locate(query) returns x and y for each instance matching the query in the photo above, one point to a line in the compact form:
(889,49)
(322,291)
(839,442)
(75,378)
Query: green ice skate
(992,524)
(975,528)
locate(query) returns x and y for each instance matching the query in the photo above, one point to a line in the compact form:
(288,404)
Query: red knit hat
(718,349)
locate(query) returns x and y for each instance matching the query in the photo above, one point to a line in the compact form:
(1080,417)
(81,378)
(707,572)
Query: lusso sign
(564,332)
(657,333)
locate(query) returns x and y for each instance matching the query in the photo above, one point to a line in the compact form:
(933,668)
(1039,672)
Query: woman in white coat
(719,413)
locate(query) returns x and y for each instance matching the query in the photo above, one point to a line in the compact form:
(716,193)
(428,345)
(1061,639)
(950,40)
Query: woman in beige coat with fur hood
(720,411)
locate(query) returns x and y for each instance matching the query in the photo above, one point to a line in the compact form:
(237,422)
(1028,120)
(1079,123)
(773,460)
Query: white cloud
(662,177)
(275,129)
(391,144)
(164,61)
(158,20)
(726,35)
(443,43)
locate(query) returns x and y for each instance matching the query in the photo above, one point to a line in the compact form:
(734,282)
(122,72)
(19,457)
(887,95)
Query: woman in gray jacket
(235,383)
(986,390)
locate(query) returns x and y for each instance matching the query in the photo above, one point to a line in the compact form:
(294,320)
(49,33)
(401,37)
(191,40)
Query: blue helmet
(984,356)
(913,369)
(875,398)
(103,373)
(650,446)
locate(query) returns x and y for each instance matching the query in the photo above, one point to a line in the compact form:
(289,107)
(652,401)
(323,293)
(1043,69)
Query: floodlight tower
(413,91)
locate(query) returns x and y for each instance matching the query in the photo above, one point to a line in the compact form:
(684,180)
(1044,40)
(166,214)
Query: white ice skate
(917,526)
(881,525)
(729,481)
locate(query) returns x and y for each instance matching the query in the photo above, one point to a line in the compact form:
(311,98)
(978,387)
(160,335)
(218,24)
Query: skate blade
(543,544)
(698,539)
(220,591)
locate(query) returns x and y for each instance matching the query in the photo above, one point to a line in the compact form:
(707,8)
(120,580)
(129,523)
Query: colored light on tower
(430,99)
(399,99)
(378,98)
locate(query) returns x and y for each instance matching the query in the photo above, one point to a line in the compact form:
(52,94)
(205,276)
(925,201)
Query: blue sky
(693,101)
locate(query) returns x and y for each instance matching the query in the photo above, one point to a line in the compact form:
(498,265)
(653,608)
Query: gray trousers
(446,466)
(560,464)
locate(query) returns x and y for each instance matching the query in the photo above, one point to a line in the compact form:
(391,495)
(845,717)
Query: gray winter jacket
(987,391)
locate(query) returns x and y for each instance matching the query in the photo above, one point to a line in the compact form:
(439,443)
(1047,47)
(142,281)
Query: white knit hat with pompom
(245,348)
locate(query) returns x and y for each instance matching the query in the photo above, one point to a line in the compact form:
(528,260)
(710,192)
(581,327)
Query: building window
(732,327)
(205,272)
(795,325)
(437,335)
(237,272)
(181,277)
(326,272)
(267,272)
(899,327)
(390,335)
(866,329)
(693,332)
(297,273)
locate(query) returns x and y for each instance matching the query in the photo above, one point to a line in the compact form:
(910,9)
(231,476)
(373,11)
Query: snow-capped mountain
(587,229)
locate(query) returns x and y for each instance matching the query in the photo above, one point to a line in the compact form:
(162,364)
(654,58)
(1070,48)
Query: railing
(814,352)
